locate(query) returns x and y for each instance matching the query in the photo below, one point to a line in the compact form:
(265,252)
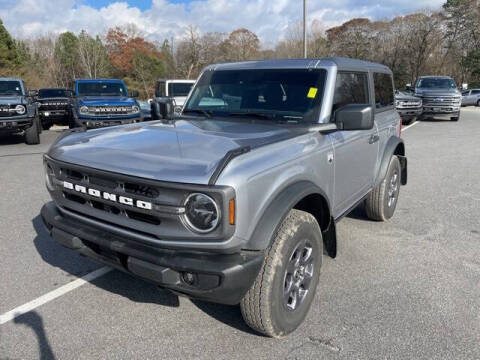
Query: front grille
(125,199)
(110,110)
(53,105)
(441,100)
(7,110)
(408,105)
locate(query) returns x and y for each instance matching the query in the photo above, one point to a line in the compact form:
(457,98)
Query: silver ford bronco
(236,200)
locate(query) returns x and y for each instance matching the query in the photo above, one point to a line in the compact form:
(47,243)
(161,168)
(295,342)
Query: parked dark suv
(54,106)
(104,102)
(18,111)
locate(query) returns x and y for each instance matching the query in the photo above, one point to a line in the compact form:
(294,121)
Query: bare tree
(92,55)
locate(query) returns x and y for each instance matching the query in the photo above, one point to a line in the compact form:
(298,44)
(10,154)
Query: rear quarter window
(350,88)
(384,97)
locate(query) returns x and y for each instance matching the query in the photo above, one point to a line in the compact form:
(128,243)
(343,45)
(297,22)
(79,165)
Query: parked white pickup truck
(176,89)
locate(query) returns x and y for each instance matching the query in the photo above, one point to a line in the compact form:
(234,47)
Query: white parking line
(409,126)
(52,295)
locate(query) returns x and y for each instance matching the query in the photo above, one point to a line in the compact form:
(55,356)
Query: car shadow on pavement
(227,314)
(124,284)
(115,282)
(358,213)
(11,139)
(35,322)
(437,120)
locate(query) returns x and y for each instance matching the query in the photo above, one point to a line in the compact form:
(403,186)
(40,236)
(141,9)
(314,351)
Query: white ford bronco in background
(235,200)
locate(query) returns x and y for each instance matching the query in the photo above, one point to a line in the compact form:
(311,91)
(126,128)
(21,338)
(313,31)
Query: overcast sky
(160,19)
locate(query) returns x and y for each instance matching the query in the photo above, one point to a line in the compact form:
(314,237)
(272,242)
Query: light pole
(305,29)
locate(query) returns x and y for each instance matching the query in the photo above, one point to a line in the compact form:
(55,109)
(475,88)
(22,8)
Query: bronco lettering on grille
(108,196)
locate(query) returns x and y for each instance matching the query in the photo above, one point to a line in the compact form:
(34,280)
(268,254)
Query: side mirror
(408,87)
(355,117)
(32,93)
(134,93)
(163,108)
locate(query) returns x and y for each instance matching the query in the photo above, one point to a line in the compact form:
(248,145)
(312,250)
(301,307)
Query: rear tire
(32,136)
(382,201)
(478,103)
(281,296)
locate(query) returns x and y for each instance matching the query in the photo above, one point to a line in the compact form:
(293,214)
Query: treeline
(436,42)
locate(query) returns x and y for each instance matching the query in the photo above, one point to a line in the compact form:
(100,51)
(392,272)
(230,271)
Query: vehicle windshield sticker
(312,93)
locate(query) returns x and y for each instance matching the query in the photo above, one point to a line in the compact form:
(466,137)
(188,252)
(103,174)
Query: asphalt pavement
(405,289)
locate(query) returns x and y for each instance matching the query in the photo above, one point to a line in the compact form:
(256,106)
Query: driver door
(355,152)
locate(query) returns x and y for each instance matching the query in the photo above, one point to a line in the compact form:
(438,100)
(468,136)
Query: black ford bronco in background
(235,200)
(54,106)
(18,110)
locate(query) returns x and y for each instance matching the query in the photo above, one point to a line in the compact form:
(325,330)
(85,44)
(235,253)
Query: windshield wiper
(252,114)
(206,113)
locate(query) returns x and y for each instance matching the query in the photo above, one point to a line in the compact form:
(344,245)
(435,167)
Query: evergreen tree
(9,58)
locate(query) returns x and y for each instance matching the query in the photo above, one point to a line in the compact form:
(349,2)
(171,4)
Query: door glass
(350,88)
(383,90)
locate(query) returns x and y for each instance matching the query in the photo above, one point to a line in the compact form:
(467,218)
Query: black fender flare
(394,146)
(278,209)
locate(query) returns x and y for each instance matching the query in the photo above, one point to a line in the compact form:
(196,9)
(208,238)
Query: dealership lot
(408,288)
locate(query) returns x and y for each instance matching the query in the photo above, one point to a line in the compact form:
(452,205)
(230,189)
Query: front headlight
(49,174)
(84,110)
(135,109)
(201,213)
(20,109)
(397,103)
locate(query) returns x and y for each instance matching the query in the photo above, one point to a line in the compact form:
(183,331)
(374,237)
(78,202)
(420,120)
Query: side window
(475,92)
(350,88)
(383,90)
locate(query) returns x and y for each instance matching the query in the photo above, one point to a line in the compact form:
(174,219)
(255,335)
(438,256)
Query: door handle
(373,139)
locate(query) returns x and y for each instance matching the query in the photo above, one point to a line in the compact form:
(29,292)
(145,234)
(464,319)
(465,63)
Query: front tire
(382,201)
(407,121)
(281,296)
(32,136)
(455,118)
(46,125)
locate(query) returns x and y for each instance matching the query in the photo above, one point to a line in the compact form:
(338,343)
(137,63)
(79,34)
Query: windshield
(101,89)
(12,88)
(52,93)
(436,83)
(291,94)
(179,89)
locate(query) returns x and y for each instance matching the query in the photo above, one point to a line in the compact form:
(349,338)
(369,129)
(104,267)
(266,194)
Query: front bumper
(441,110)
(53,114)
(410,113)
(15,124)
(93,123)
(220,278)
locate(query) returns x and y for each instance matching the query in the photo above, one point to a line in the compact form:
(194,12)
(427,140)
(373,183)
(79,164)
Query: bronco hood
(106,101)
(11,100)
(188,151)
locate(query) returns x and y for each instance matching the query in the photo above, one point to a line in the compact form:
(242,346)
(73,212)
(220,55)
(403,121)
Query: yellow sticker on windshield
(312,93)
